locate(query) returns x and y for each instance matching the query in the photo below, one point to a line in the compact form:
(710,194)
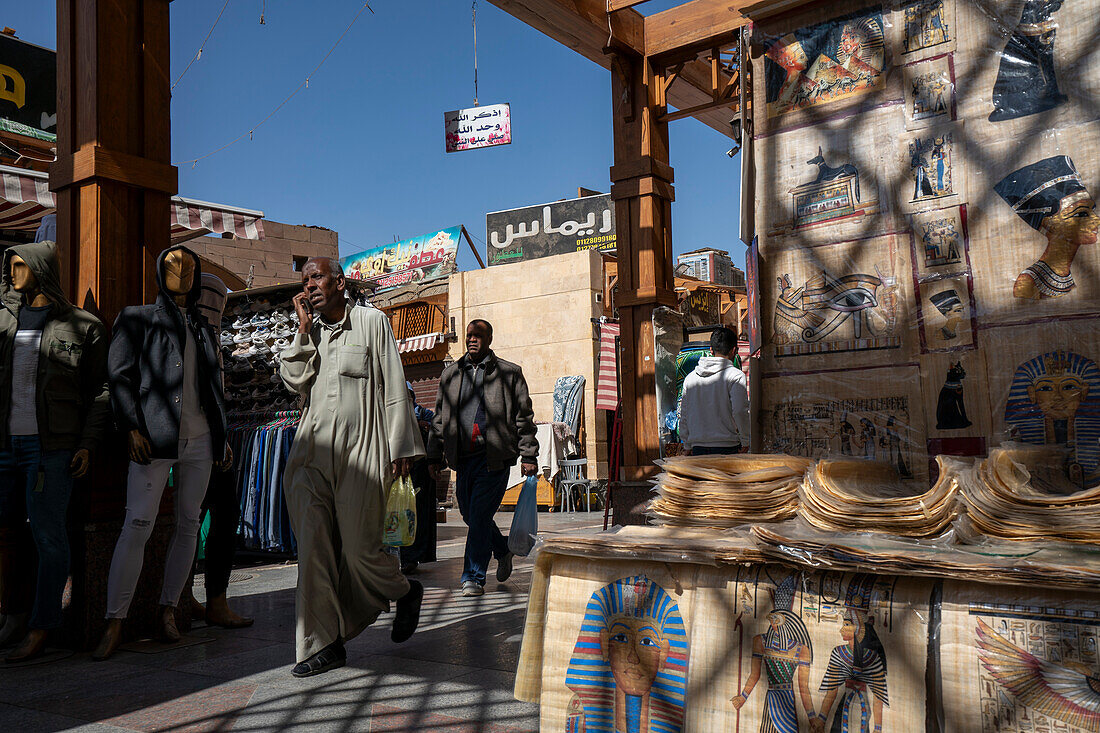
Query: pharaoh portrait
(1055,400)
(1050,197)
(1026,83)
(952,309)
(629,666)
(856,674)
(783,654)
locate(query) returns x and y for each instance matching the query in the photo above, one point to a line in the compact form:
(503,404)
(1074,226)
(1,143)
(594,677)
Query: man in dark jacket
(483,423)
(53,408)
(166,390)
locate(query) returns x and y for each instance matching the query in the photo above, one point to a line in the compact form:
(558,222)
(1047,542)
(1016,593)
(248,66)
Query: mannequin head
(179,273)
(24,281)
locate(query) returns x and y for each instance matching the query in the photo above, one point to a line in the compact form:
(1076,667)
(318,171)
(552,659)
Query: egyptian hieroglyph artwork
(939,242)
(1055,400)
(1026,81)
(1037,669)
(877,428)
(824,63)
(929,92)
(946,313)
(926,25)
(1051,198)
(832,194)
(931,168)
(628,671)
(832,313)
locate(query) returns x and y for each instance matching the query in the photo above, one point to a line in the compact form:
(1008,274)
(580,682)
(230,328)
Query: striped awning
(25,197)
(607,380)
(419,343)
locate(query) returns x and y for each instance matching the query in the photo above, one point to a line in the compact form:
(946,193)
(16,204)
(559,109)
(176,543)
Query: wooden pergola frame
(113,174)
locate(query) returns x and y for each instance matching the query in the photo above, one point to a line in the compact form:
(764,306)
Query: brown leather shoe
(167,631)
(33,646)
(109,642)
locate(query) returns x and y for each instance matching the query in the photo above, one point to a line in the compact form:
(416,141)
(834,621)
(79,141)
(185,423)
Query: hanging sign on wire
(478,127)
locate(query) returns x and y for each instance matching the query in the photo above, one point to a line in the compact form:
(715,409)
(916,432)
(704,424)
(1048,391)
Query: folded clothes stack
(727,491)
(1025,493)
(855,495)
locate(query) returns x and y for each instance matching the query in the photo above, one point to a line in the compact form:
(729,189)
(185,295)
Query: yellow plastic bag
(399,529)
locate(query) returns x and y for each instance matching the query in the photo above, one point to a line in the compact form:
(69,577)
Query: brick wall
(273,256)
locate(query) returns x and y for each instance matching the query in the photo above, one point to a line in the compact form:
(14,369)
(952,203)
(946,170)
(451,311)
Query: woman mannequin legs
(144,488)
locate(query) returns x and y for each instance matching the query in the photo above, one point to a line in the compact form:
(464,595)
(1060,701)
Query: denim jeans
(37,484)
(479,492)
(702,450)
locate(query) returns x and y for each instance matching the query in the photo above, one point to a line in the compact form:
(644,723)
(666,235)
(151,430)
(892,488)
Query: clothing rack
(261,443)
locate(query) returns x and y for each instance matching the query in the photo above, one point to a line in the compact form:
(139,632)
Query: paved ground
(455,675)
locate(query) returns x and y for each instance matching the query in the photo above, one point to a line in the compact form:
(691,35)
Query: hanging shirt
(23,419)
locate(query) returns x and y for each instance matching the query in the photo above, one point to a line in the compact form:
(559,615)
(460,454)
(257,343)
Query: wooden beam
(725,104)
(613,5)
(473,249)
(696,24)
(582,26)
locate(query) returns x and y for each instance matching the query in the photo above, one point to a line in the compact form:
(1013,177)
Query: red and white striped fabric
(190,216)
(25,198)
(420,343)
(607,381)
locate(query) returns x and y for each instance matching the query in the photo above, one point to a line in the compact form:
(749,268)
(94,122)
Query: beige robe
(357,420)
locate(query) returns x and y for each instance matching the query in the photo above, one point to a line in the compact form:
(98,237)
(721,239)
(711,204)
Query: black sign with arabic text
(551,229)
(28,84)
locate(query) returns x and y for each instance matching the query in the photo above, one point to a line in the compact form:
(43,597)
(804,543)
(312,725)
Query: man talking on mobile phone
(357,433)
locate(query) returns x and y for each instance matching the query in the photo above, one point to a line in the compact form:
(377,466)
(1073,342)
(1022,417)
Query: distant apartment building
(712,265)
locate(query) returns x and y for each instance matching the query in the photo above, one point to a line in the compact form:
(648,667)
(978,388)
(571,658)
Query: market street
(455,675)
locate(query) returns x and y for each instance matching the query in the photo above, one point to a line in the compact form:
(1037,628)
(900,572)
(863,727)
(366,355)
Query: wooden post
(113,181)
(643,194)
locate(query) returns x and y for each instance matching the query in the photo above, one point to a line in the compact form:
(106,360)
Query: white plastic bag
(399,529)
(525,521)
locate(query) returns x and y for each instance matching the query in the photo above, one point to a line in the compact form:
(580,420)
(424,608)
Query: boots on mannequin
(108,643)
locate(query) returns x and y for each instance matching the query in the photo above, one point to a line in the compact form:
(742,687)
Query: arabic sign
(478,127)
(28,87)
(426,257)
(551,229)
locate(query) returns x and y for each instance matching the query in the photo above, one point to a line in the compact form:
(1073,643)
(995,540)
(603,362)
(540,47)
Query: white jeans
(144,489)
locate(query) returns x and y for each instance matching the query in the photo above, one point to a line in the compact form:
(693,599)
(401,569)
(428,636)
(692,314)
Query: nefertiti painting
(1026,83)
(1051,198)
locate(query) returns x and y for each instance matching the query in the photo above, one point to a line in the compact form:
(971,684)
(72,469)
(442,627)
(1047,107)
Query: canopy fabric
(25,197)
(419,343)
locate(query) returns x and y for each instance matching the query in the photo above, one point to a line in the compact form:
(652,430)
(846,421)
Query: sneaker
(243,337)
(263,333)
(226,339)
(254,350)
(504,567)
(242,352)
(279,317)
(240,323)
(472,588)
(282,331)
(280,345)
(258,320)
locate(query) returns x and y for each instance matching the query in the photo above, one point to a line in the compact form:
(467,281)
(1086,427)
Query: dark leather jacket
(145,368)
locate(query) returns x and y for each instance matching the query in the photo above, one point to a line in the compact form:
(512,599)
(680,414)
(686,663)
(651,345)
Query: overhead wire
(198,55)
(303,85)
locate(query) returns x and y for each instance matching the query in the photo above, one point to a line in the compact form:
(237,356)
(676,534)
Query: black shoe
(408,613)
(331,657)
(504,567)
(410,568)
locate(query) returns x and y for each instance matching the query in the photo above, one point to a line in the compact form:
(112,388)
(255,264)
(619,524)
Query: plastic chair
(571,476)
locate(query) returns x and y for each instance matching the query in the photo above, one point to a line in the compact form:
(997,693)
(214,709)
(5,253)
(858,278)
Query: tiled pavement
(455,675)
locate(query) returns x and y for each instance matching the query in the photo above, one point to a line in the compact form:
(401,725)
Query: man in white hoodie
(714,409)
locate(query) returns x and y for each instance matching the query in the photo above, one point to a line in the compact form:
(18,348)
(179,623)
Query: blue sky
(361,150)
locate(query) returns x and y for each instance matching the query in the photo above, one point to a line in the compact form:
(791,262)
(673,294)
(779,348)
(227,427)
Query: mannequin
(52,408)
(165,379)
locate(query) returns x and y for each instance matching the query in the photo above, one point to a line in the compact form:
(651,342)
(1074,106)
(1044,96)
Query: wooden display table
(664,629)
(544,497)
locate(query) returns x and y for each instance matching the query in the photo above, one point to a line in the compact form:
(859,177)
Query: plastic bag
(525,521)
(399,529)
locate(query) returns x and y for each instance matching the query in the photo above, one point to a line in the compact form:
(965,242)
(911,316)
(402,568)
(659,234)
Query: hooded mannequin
(53,405)
(166,390)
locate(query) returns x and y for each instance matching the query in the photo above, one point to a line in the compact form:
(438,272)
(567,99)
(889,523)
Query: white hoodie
(714,409)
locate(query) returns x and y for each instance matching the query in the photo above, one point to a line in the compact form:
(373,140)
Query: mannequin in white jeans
(165,379)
